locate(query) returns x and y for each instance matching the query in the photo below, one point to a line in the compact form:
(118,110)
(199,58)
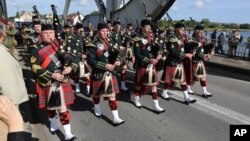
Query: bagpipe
(66,52)
(35,12)
(208,46)
(190,44)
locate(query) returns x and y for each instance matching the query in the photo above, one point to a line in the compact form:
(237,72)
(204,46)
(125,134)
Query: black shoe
(166,98)
(191,93)
(206,96)
(72,139)
(186,102)
(54,132)
(159,112)
(98,116)
(139,107)
(117,124)
(192,101)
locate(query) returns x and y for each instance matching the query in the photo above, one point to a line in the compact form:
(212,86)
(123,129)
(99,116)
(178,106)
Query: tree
(244,26)
(17,15)
(206,22)
(95,13)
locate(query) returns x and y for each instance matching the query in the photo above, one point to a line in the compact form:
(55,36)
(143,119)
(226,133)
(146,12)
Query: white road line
(215,110)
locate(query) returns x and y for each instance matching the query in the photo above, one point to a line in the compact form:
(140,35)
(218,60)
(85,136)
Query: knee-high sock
(203,83)
(113,104)
(87,82)
(137,93)
(184,87)
(123,76)
(51,113)
(168,85)
(154,95)
(96,100)
(64,117)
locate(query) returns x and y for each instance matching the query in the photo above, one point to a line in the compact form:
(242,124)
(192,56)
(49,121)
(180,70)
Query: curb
(244,71)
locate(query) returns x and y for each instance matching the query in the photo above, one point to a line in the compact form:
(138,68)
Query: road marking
(215,110)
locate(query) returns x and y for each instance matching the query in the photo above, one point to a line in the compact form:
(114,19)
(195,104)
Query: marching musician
(146,77)
(36,36)
(129,44)
(174,72)
(161,48)
(81,52)
(52,84)
(118,38)
(103,58)
(197,71)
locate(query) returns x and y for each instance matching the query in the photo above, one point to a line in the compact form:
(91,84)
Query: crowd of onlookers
(228,44)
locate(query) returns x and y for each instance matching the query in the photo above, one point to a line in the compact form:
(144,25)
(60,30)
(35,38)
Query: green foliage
(95,13)
(207,24)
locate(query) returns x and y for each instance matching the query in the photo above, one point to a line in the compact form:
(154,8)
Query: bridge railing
(242,51)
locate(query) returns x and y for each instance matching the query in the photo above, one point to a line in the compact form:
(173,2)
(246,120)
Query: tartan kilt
(43,93)
(96,84)
(194,67)
(140,74)
(168,74)
(188,69)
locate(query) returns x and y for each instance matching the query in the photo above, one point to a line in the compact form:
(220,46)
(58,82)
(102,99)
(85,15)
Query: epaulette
(173,39)
(90,45)
(136,39)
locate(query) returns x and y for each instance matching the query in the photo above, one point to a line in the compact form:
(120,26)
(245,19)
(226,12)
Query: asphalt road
(206,120)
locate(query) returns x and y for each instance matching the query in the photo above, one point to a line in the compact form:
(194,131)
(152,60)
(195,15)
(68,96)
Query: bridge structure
(3,9)
(129,11)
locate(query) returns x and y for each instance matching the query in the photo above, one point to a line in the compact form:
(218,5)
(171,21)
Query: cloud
(199,4)
(82,2)
(175,6)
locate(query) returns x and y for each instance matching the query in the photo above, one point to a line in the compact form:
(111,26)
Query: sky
(226,11)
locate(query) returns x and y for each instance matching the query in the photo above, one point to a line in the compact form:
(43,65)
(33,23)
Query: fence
(243,50)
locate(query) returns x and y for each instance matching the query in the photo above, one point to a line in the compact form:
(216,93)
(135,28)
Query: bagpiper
(129,44)
(195,71)
(52,83)
(103,58)
(117,37)
(83,73)
(146,76)
(174,71)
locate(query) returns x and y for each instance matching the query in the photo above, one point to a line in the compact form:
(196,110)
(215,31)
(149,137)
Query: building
(73,18)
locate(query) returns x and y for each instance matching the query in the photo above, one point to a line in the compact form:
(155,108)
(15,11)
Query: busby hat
(145,22)
(179,25)
(102,26)
(66,26)
(161,31)
(129,24)
(47,27)
(198,27)
(78,25)
(36,23)
(109,22)
(116,22)
(35,17)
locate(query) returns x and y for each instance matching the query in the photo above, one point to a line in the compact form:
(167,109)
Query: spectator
(234,40)
(221,43)
(10,41)
(248,46)
(213,37)
(10,115)
(13,85)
